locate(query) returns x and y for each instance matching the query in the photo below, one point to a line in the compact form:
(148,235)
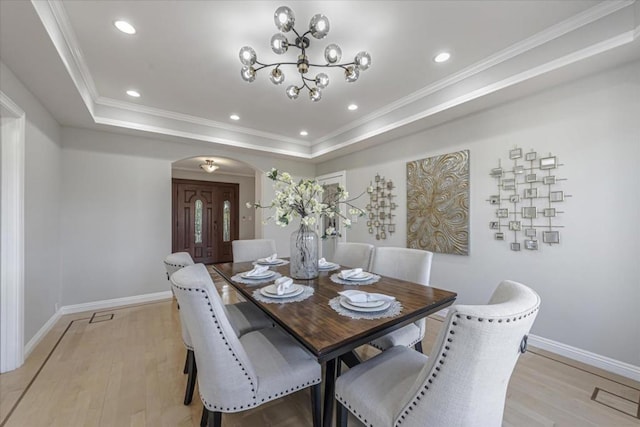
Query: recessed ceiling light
(133,93)
(304,133)
(352,107)
(125,27)
(234,117)
(442,57)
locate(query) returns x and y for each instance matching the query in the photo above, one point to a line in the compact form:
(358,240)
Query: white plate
(345,304)
(366,304)
(264,275)
(265,262)
(358,278)
(328,266)
(271,291)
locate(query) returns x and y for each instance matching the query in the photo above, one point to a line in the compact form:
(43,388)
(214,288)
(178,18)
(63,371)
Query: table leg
(351,359)
(329,391)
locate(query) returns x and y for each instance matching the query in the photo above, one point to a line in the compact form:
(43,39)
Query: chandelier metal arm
(343,66)
(276,64)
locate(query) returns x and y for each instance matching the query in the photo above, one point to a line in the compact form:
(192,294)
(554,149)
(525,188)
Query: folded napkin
(323,263)
(258,270)
(283,284)
(356,297)
(270,258)
(345,274)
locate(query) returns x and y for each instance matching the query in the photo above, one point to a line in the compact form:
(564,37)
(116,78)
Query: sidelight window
(226,221)
(198,222)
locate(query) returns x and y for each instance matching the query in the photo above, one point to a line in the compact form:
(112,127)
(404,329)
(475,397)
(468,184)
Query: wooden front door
(205,219)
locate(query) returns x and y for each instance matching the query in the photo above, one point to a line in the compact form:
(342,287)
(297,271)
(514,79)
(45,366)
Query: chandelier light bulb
(332,53)
(319,26)
(322,80)
(284,19)
(315,95)
(247,56)
(363,60)
(248,74)
(277,76)
(293,92)
(351,74)
(279,43)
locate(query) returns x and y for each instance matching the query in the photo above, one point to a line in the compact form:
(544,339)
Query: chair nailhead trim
(215,321)
(440,361)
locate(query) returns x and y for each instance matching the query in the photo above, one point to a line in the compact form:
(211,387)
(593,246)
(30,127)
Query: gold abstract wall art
(438,203)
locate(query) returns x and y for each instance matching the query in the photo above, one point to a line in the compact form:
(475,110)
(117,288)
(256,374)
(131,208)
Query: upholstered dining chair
(357,255)
(177,260)
(239,373)
(464,380)
(412,265)
(251,250)
(244,317)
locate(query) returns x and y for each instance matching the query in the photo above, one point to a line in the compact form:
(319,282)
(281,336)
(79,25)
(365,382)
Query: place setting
(355,276)
(324,265)
(283,290)
(258,275)
(364,305)
(271,261)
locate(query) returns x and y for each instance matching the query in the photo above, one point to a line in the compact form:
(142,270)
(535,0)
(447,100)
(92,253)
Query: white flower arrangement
(305,200)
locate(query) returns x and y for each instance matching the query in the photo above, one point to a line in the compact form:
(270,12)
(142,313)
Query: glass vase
(304,254)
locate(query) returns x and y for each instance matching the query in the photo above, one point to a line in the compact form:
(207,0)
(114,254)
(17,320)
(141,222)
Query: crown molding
(550,66)
(414,107)
(571,24)
(56,24)
(197,136)
(187,118)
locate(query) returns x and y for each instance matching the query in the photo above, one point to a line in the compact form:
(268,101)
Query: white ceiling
(184,61)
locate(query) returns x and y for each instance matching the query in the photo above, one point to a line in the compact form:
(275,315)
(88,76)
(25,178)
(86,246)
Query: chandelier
(318,28)
(209,166)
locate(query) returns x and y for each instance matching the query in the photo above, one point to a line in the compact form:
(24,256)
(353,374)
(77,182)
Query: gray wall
(116,223)
(116,213)
(42,205)
(590,283)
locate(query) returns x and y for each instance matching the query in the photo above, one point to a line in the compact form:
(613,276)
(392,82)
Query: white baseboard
(33,342)
(116,302)
(608,364)
(91,306)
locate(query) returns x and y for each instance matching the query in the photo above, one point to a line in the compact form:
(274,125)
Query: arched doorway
(208,206)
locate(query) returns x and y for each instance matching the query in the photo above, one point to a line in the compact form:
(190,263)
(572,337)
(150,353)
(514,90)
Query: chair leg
(191,380)
(316,407)
(204,420)
(186,362)
(418,347)
(341,415)
(216,417)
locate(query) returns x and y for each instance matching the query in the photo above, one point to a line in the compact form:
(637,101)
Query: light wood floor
(95,370)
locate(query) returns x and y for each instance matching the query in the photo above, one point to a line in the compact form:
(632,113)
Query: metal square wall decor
(526,189)
(438,203)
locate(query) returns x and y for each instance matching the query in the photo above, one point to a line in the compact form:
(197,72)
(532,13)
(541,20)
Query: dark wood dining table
(329,335)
